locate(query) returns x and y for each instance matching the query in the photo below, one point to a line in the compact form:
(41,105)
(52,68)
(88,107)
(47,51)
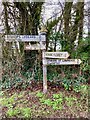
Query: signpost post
(43,32)
(44,73)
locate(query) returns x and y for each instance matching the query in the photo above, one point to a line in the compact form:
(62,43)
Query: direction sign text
(56,54)
(25,38)
(62,62)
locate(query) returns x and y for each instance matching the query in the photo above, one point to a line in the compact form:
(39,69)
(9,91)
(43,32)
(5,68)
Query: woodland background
(21,71)
(63,29)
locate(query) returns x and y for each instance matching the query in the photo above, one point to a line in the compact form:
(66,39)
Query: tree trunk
(88,19)
(5,4)
(67,18)
(78,25)
(81,11)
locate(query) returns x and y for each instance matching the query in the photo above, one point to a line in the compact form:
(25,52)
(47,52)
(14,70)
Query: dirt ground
(39,109)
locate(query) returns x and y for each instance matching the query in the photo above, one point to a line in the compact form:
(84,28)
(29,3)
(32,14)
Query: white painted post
(44,72)
(43,32)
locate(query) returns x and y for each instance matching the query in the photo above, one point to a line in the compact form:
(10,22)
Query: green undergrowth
(19,112)
(67,76)
(56,101)
(12,103)
(26,104)
(60,100)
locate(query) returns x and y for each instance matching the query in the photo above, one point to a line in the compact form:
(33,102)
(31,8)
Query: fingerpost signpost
(48,58)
